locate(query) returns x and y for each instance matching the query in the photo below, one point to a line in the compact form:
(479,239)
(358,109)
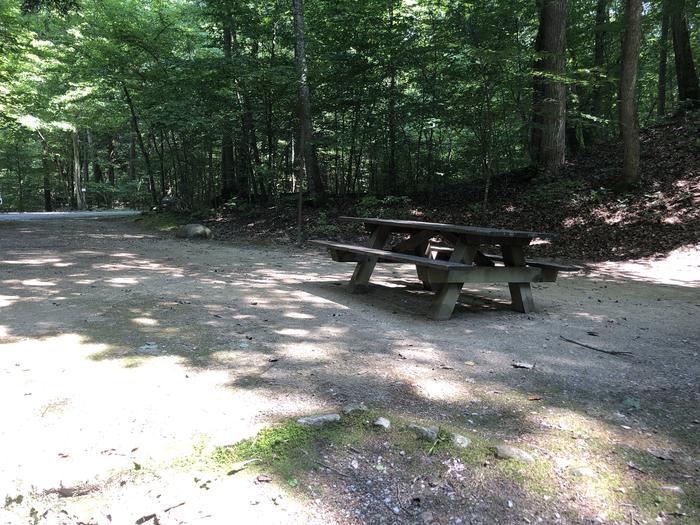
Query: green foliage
(407,97)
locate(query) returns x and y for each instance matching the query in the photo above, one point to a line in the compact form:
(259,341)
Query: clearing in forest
(150,380)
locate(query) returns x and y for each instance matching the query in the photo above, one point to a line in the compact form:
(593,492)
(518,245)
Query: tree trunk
(663,59)
(142,146)
(686,75)
(307,161)
(132,153)
(548,139)
(600,89)
(111,155)
(78,193)
(228,173)
(46,173)
(629,125)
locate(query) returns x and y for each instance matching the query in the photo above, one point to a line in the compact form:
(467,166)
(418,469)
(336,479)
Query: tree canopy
(126,101)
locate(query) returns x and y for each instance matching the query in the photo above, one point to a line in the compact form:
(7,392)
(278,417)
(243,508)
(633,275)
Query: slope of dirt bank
(594,222)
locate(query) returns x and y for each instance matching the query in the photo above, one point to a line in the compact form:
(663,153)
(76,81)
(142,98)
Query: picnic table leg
(520,293)
(445,300)
(359,283)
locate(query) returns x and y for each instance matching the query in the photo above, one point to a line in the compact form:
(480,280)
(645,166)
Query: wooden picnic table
(448,255)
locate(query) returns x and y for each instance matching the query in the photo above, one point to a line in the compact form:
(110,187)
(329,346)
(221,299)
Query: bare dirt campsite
(147,379)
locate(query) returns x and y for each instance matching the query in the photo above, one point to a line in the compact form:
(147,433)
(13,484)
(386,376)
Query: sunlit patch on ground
(681,267)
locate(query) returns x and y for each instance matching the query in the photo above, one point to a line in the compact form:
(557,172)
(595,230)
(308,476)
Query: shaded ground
(130,362)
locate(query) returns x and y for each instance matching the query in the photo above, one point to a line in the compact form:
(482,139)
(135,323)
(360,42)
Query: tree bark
(307,161)
(142,146)
(600,89)
(78,193)
(629,125)
(228,173)
(548,138)
(111,156)
(687,78)
(663,61)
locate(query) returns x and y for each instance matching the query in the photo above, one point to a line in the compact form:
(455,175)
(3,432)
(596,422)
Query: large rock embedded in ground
(193,231)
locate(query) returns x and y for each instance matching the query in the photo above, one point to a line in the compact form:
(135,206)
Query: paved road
(53,215)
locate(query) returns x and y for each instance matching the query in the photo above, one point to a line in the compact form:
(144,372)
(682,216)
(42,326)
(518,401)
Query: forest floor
(139,372)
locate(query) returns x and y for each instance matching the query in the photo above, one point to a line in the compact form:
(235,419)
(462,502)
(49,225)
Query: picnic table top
(494,233)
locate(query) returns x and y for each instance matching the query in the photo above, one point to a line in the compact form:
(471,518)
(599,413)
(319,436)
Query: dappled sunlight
(35,282)
(156,364)
(291,315)
(438,389)
(123,281)
(145,321)
(681,267)
(8,300)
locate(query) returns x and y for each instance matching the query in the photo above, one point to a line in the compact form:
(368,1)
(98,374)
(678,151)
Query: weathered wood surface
(393,256)
(492,234)
(444,270)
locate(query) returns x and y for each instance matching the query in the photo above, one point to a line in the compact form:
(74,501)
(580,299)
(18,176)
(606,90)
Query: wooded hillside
(227,103)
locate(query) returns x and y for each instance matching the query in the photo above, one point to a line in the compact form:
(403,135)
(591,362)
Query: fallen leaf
(470,363)
(263,478)
(534,397)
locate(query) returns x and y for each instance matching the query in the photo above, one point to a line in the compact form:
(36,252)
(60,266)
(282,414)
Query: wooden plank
(488,233)
(485,274)
(393,256)
(541,264)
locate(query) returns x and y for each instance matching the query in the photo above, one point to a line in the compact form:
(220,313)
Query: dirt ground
(127,356)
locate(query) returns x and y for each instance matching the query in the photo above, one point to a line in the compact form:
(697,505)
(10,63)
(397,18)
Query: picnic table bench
(445,265)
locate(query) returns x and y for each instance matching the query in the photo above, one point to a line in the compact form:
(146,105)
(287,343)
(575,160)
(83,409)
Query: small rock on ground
(320,419)
(383,422)
(508,452)
(673,488)
(460,441)
(354,407)
(193,231)
(585,472)
(429,433)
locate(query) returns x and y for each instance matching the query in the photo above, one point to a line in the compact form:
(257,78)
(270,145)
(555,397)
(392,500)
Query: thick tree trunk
(629,125)
(142,146)
(663,61)
(78,193)
(688,89)
(307,161)
(548,137)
